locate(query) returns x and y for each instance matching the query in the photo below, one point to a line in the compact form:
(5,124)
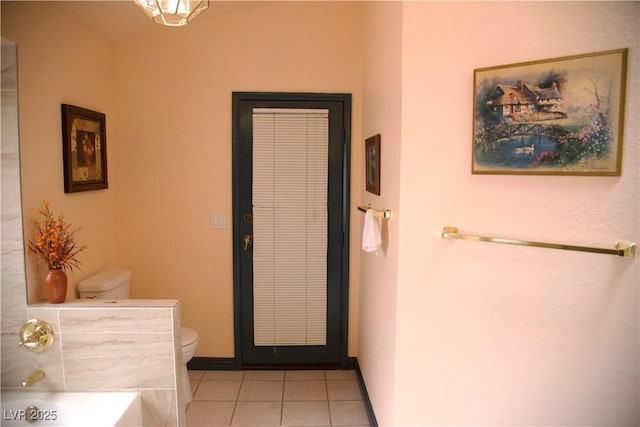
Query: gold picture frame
(561,116)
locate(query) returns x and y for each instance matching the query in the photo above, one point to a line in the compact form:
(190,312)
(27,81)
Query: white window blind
(290,173)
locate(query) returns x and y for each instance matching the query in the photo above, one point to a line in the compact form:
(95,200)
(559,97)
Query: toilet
(114,284)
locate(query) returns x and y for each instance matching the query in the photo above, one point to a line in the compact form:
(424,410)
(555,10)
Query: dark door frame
(239,177)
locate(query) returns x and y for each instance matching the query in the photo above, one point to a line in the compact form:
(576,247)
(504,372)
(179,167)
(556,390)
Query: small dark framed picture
(372,164)
(84,148)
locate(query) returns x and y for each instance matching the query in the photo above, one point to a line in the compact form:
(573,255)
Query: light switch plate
(218,221)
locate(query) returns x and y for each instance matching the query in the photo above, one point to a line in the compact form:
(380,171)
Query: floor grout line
(284,377)
(235,405)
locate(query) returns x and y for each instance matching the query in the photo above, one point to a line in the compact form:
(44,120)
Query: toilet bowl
(189,344)
(114,284)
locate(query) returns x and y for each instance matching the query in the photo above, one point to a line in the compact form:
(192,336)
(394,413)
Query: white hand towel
(371,236)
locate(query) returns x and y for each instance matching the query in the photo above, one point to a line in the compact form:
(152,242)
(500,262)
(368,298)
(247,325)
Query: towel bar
(624,249)
(381,214)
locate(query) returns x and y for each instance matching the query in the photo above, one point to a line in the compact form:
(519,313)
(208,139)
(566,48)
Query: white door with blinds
(290,214)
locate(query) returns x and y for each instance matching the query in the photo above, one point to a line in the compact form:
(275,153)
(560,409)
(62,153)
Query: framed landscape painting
(561,116)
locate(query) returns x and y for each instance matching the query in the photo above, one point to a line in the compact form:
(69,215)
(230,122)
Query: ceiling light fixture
(173,13)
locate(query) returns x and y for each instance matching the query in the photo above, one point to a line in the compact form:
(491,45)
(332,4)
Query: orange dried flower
(54,242)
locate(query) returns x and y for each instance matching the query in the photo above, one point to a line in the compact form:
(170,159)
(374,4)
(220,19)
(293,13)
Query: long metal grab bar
(381,214)
(624,249)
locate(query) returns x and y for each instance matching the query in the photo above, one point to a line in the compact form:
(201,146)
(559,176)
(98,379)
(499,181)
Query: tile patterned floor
(276,398)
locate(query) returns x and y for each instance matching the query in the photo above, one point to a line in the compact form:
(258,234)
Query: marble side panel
(115,320)
(112,361)
(14,288)
(9,140)
(180,407)
(17,362)
(158,408)
(14,302)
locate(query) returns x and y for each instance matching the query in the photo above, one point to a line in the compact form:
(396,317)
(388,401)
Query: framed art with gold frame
(562,116)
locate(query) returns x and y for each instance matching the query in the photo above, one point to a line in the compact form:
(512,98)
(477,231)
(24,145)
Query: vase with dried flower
(56,246)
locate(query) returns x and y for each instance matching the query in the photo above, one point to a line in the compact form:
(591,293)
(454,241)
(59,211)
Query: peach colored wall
(484,334)
(381,113)
(168,104)
(494,334)
(60,63)
(173,96)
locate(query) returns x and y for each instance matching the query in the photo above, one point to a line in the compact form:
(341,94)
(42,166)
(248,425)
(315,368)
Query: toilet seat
(188,335)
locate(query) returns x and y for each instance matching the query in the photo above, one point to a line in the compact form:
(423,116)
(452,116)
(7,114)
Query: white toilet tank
(108,284)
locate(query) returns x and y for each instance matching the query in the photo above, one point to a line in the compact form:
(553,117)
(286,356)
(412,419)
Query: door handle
(248,239)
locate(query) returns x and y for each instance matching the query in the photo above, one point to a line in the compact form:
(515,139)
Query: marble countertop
(111,303)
